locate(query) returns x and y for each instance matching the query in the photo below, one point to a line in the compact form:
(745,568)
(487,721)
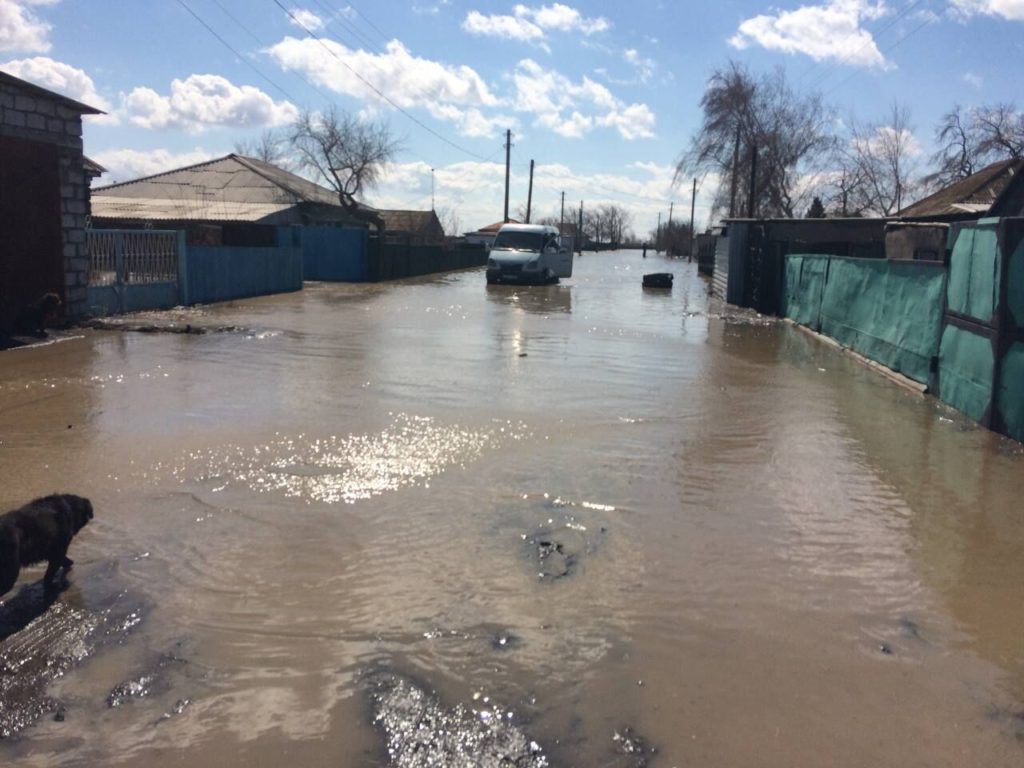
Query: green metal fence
(888,311)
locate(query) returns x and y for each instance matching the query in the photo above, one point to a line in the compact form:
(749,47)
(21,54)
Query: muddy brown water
(592,506)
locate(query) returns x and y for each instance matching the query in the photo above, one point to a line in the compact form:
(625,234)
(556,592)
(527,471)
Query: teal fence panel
(966,364)
(888,311)
(335,253)
(1010,394)
(1015,285)
(804,284)
(220,273)
(974,269)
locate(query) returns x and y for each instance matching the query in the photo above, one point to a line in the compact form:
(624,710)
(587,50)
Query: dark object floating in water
(658,280)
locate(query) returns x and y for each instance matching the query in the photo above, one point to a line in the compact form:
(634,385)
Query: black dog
(33,318)
(40,530)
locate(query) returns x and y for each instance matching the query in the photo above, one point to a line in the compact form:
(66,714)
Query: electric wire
(231,48)
(374,88)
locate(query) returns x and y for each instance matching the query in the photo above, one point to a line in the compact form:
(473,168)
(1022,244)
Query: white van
(529,253)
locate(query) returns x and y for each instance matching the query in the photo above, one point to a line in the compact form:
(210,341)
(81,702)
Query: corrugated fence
(959,329)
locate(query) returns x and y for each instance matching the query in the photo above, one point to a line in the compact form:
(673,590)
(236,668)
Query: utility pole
(752,207)
(431,189)
(693,203)
(735,169)
(579,229)
(508,162)
(561,220)
(671,235)
(657,235)
(529,195)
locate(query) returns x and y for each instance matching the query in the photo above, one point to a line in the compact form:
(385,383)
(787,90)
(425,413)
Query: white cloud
(306,19)
(563,106)
(530,25)
(644,67)
(829,31)
(885,136)
(430,10)
(64,79)
(129,164)
(508,27)
(21,29)
(202,101)
(451,93)
(973,80)
(1012,10)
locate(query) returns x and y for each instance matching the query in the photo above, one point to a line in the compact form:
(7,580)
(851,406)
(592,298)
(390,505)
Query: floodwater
(585,507)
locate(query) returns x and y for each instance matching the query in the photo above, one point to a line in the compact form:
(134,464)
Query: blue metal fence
(335,253)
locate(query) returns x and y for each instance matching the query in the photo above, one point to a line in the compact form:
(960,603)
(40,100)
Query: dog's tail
(10,559)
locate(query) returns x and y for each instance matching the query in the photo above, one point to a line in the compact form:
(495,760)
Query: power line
(374,88)
(231,48)
(927,20)
(897,18)
(263,43)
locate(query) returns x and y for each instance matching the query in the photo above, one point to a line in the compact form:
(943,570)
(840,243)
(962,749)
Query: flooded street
(580,509)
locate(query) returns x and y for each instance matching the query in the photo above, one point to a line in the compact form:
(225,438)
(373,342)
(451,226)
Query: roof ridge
(166,173)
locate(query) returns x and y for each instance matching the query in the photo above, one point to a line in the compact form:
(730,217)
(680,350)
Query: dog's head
(81,511)
(49,306)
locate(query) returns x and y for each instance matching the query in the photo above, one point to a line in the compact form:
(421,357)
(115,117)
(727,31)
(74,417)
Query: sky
(602,96)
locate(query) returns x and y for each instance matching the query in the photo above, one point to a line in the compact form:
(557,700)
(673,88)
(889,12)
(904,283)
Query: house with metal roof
(996,190)
(233,189)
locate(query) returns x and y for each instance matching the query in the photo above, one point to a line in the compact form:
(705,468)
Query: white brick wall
(37,118)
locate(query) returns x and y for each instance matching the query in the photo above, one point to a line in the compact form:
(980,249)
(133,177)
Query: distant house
(413,227)
(219,201)
(996,190)
(44,198)
(486,235)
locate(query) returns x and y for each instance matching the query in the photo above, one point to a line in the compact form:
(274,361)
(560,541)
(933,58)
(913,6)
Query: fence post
(183,287)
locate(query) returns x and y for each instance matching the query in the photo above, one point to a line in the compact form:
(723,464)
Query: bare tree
(269,146)
(970,141)
(450,220)
(790,132)
(882,156)
(346,153)
(1000,132)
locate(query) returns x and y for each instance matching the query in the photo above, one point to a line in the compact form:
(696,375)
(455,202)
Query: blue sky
(602,95)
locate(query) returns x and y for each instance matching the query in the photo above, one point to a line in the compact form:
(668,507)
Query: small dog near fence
(33,318)
(40,530)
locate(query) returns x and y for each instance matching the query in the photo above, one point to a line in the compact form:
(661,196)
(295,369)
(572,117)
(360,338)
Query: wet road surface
(588,524)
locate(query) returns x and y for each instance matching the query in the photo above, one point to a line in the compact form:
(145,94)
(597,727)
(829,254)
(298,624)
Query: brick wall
(33,116)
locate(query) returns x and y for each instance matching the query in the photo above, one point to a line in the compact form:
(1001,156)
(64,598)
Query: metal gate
(134,269)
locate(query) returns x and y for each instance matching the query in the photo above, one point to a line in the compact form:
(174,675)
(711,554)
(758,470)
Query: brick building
(44,198)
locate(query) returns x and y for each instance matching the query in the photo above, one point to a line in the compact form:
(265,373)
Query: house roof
(410,221)
(92,168)
(230,188)
(974,195)
(493,228)
(35,90)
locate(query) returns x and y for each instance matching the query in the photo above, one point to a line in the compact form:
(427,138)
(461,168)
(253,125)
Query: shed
(414,227)
(44,198)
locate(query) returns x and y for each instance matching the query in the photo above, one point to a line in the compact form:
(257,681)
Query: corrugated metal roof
(161,209)
(974,195)
(230,188)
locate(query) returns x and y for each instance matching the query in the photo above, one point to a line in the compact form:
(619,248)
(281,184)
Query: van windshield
(519,241)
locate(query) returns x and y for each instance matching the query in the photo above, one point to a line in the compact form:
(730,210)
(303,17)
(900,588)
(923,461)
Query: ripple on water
(350,468)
